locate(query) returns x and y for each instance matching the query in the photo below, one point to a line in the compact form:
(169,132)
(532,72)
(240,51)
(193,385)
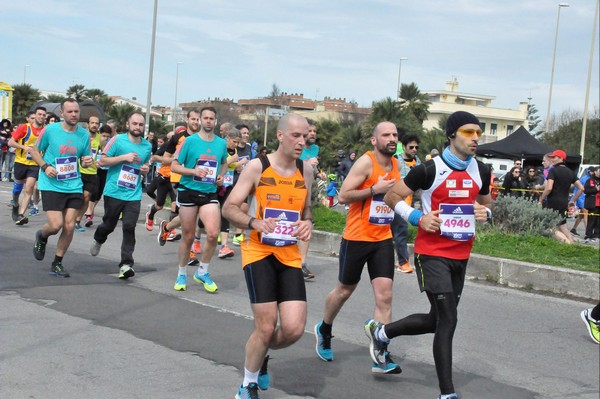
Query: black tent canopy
(88,108)
(521,145)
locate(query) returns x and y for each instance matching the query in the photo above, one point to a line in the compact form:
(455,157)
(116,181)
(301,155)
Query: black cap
(458,119)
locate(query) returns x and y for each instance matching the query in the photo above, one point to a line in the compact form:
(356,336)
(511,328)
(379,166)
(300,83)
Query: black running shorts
(55,201)
(90,183)
(187,197)
(379,257)
(22,172)
(439,275)
(269,280)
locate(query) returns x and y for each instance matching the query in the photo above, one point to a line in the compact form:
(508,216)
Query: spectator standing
(331,188)
(347,164)
(513,183)
(5,133)
(533,183)
(580,203)
(592,204)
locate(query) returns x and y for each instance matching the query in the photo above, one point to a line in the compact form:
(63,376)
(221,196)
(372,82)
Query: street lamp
(151,71)
(25,73)
(176,86)
(560,5)
(589,79)
(399,71)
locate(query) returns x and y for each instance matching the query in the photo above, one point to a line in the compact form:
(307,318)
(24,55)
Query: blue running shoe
(248,392)
(79,227)
(323,345)
(376,347)
(264,379)
(34,211)
(180,283)
(389,367)
(206,281)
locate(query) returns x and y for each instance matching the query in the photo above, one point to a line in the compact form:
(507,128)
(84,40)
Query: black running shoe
(39,248)
(58,270)
(22,220)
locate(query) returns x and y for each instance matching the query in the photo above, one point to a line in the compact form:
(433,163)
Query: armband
(44,167)
(408,213)
(250,223)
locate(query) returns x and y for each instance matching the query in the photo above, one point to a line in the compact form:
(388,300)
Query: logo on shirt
(458,193)
(286,182)
(450,183)
(443,172)
(282,216)
(458,210)
(468,183)
(273,197)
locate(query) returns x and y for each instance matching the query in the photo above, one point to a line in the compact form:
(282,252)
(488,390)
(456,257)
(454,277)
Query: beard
(136,133)
(388,150)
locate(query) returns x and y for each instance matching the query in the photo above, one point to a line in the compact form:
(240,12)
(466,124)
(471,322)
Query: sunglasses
(517,172)
(470,132)
(413,147)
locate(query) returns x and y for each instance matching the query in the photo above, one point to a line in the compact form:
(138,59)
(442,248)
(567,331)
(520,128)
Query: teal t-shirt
(63,150)
(310,152)
(196,152)
(124,180)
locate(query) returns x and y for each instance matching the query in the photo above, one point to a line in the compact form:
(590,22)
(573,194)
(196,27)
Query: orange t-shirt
(282,197)
(369,220)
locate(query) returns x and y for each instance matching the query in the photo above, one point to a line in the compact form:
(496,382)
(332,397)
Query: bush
(523,216)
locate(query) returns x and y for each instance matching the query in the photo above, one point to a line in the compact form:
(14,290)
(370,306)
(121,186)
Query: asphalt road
(95,336)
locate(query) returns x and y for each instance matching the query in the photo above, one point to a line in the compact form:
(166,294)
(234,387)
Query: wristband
(44,167)
(250,223)
(408,213)
(372,191)
(415,217)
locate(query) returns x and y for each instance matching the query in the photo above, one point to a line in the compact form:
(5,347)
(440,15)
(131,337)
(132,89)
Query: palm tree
(54,98)
(24,96)
(414,101)
(78,92)
(95,94)
(120,113)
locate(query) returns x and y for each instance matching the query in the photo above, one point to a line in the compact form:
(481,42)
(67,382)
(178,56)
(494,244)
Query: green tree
(95,94)
(54,98)
(567,135)
(24,96)
(120,113)
(534,120)
(158,126)
(413,101)
(78,92)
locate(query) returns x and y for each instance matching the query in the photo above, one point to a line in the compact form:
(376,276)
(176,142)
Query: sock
(249,377)
(57,259)
(202,268)
(381,335)
(183,270)
(325,328)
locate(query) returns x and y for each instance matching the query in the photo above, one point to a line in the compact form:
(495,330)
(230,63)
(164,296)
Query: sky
(344,49)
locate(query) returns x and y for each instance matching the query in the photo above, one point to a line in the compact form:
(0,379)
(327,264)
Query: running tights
(441,320)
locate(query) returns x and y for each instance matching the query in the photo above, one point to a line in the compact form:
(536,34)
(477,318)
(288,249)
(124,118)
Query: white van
(501,166)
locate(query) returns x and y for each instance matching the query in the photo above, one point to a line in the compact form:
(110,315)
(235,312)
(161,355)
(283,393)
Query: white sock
(380,334)
(202,268)
(183,270)
(249,377)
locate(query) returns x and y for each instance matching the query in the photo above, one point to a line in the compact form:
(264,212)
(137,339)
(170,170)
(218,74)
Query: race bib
(282,235)
(379,212)
(228,179)
(458,221)
(66,168)
(211,176)
(128,177)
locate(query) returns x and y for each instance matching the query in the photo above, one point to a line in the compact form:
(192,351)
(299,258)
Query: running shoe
(149,222)
(196,247)
(193,260)
(389,367)
(89,220)
(238,239)
(22,220)
(592,325)
(15,213)
(376,348)
(448,396)
(79,228)
(95,248)
(226,252)
(126,271)
(574,232)
(405,268)
(306,273)
(264,379)
(163,233)
(205,280)
(323,345)
(34,211)
(173,236)
(180,283)
(39,248)
(248,392)
(58,270)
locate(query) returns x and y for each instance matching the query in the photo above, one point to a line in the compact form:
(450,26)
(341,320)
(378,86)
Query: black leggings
(441,320)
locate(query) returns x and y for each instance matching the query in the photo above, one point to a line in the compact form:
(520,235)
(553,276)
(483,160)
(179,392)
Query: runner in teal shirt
(62,151)
(123,180)
(198,153)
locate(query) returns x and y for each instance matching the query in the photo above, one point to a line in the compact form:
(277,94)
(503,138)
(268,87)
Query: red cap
(560,154)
